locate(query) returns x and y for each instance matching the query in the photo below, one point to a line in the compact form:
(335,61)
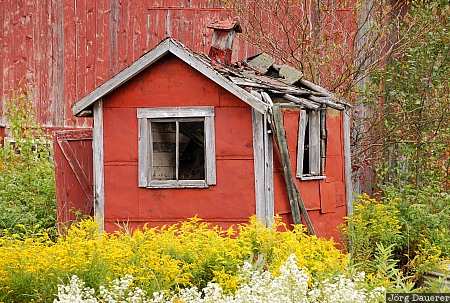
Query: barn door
(73,173)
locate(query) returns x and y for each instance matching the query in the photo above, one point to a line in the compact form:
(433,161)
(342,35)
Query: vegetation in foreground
(190,254)
(292,285)
(395,238)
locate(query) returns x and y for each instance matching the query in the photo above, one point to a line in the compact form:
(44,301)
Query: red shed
(178,134)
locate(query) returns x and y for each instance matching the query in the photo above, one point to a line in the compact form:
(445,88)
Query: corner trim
(97,148)
(347,163)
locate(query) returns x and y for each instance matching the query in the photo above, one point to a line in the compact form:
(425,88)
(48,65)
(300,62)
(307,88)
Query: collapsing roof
(249,80)
(284,83)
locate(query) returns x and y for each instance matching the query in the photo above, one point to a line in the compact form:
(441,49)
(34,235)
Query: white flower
(291,286)
(75,292)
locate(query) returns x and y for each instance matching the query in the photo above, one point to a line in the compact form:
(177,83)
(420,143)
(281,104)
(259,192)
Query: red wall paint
(62,49)
(73,149)
(170,82)
(324,199)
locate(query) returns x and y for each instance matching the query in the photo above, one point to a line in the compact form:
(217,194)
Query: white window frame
(145,116)
(317,144)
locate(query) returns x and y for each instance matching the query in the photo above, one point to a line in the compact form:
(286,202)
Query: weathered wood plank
(91,43)
(297,204)
(347,162)
(143,163)
(97,146)
(280,134)
(301,101)
(70,69)
(314,87)
(323,140)
(80,25)
(176,112)
(210,150)
(327,101)
(177,149)
(113,34)
(57,86)
(76,167)
(268,174)
(177,184)
(258,161)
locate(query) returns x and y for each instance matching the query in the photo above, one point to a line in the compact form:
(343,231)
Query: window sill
(178,184)
(311,178)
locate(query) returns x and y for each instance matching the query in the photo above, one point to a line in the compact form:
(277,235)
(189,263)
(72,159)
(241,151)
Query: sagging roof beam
(327,102)
(301,101)
(314,87)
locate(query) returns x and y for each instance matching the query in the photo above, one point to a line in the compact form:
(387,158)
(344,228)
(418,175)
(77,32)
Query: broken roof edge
(291,79)
(168,45)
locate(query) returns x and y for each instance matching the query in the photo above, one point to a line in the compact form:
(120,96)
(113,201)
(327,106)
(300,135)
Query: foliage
(401,237)
(372,223)
(191,253)
(291,286)
(334,43)
(27,191)
(408,104)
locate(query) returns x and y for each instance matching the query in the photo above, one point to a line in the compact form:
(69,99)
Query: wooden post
(97,147)
(296,202)
(347,163)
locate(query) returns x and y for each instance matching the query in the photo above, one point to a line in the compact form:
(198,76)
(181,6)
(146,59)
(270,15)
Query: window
(311,145)
(176,147)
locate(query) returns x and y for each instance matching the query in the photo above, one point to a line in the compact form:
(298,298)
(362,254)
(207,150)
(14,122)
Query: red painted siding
(62,49)
(324,199)
(74,178)
(170,82)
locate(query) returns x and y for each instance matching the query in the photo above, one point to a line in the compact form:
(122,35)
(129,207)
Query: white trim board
(167,46)
(99,177)
(263,169)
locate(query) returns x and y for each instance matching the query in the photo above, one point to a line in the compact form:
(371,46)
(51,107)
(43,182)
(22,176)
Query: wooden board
(74,179)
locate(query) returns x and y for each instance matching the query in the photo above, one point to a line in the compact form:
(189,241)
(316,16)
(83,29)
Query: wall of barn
(62,49)
(170,82)
(324,199)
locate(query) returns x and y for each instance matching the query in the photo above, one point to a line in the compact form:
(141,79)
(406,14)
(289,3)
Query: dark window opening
(306,170)
(178,149)
(192,151)
(311,144)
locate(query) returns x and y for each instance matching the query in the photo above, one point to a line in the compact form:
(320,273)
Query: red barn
(178,134)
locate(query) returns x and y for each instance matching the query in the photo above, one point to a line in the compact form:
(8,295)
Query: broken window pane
(164,150)
(191,151)
(306,170)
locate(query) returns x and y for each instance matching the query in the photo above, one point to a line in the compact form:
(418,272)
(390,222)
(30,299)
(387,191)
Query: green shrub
(27,190)
(414,223)
(372,223)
